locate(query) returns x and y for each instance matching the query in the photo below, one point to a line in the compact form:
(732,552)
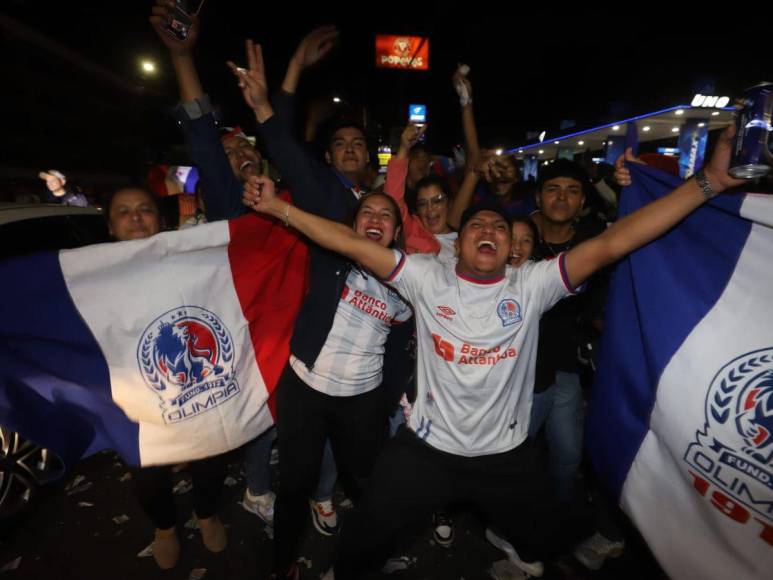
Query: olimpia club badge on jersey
(186,357)
(509,312)
(751,152)
(732,456)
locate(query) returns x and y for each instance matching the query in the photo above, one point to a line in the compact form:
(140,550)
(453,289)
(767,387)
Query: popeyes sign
(405,52)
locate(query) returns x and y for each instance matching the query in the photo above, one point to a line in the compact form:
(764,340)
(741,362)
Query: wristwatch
(704,185)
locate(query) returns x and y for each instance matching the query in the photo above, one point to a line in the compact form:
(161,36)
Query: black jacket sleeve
(314,187)
(221,189)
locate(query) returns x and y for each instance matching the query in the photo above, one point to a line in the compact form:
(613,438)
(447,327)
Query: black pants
(411,479)
(356,427)
(153,489)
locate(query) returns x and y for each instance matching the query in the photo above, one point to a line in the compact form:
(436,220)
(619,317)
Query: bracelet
(704,185)
(287,216)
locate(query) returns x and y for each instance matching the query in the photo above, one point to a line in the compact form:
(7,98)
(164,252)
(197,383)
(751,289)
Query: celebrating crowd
(440,355)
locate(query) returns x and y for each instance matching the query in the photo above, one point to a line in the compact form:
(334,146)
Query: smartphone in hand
(417,115)
(179,21)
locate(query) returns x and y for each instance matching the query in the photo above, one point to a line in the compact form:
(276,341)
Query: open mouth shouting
(487,247)
(374,234)
(433,220)
(247,167)
(517,258)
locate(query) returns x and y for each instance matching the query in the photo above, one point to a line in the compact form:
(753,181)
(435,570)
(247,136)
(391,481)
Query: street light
(148,67)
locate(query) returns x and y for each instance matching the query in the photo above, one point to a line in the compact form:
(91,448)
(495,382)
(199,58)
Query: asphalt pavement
(89,526)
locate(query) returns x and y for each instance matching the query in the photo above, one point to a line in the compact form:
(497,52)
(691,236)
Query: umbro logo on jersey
(445,312)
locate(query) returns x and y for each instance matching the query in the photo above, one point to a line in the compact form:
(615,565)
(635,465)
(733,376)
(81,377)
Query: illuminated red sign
(405,52)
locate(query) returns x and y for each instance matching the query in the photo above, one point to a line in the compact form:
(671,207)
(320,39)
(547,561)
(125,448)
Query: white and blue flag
(165,349)
(681,418)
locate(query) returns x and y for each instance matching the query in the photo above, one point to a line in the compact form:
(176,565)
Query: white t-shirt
(477,349)
(352,358)
(447,249)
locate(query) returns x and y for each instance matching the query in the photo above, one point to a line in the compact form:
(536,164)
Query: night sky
(531,67)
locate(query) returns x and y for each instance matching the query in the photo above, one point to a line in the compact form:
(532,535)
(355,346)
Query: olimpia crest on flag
(186,357)
(734,450)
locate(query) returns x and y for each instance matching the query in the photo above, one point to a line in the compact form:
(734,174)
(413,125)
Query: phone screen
(417,114)
(179,21)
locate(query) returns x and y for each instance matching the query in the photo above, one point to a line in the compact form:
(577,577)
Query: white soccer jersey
(447,248)
(477,348)
(352,358)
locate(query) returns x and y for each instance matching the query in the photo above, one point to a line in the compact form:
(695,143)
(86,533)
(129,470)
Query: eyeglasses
(427,201)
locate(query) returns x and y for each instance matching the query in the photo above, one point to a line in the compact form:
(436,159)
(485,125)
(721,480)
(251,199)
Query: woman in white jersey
(477,325)
(338,398)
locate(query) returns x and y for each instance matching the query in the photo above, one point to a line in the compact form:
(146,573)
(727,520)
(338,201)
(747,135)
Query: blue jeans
(396,419)
(257,455)
(328,473)
(559,407)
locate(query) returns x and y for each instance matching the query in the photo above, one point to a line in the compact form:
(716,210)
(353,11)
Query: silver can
(751,152)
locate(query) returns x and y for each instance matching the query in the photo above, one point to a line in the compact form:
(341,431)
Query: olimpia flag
(681,417)
(165,349)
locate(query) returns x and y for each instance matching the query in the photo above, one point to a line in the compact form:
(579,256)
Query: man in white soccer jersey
(477,326)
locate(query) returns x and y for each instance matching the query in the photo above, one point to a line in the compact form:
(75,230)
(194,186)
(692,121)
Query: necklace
(553,250)
(562,246)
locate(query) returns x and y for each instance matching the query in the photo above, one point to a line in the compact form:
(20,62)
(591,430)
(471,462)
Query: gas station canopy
(656,126)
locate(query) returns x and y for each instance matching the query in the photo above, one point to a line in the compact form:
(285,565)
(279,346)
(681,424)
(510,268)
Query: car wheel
(24,467)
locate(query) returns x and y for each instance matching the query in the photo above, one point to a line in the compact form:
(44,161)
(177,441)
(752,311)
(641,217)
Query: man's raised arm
(220,187)
(654,219)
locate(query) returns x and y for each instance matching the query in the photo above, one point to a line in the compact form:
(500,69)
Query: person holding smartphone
(225,159)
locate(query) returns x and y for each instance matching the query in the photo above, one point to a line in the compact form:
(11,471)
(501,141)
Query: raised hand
(488,167)
(252,81)
(462,85)
(311,50)
(315,46)
(717,167)
(259,193)
(622,174)
(158,15)
(411,135)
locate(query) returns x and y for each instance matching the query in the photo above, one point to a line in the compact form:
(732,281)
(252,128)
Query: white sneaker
(260,505)
(324,516)
(443,529)
(535,569)
(594,550)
